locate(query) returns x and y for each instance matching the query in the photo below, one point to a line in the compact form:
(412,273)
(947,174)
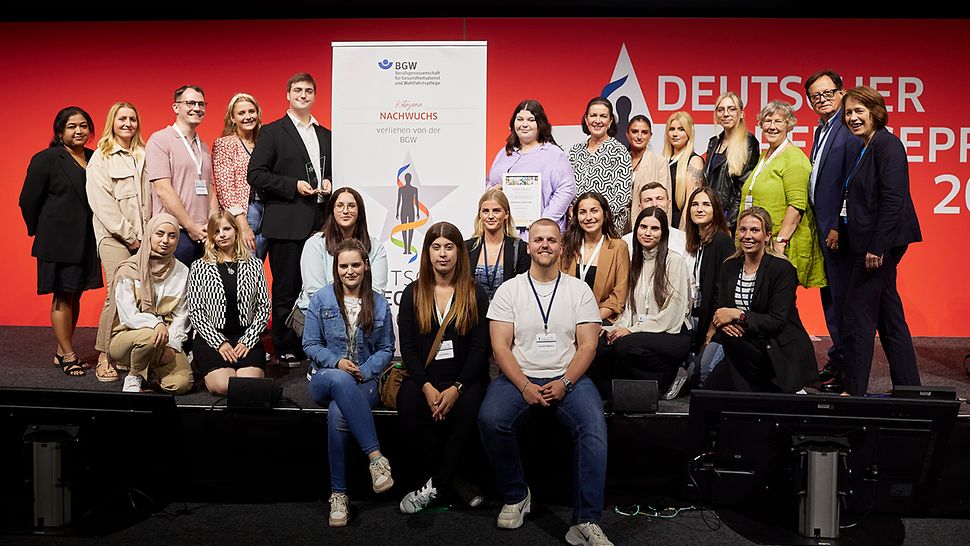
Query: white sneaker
(339,509)
(132,383)
(587,533)
(380,474)
(512,515)
(415,501)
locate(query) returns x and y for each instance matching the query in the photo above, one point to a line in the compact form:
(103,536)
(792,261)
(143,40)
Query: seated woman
(228,306)
(595,253)
(445,347)
(651,338)
(709,243)
(349,339)
(150,312)
(496,239)
(347,219)
(766,348)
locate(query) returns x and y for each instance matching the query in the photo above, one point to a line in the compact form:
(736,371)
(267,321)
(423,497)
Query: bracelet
(524,387)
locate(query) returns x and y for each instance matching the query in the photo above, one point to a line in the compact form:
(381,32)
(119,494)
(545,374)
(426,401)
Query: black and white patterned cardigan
(207,301)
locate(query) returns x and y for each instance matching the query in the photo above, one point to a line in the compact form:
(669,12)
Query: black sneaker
(289,360)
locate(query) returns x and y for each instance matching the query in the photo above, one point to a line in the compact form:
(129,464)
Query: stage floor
(25,361)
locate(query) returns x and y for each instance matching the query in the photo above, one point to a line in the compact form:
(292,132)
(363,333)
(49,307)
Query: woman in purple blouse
(530,148)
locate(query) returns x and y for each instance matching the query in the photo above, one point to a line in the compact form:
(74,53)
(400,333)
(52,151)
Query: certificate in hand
(524,191)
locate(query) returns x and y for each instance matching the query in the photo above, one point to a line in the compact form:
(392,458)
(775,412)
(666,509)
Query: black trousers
(284,263)
(746,367)
(872,304)
(650,355)
(439,445)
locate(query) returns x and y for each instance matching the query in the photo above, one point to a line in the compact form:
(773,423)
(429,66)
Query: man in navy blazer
(290,167)
(831,145)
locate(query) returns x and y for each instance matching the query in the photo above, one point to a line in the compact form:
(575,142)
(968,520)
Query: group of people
(635,270)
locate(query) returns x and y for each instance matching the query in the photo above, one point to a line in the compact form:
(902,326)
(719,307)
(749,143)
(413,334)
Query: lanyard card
(546,343)
(446,350)
(200,187)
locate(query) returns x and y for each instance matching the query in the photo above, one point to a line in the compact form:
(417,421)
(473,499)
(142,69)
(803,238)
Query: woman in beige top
(647,165)
(119,194)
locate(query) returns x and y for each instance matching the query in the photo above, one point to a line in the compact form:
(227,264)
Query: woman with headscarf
(150,312)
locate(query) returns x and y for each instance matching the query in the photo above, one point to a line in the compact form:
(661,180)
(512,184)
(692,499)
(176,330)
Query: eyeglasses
(724,109)
(774,122)
(826,95)
(194,103)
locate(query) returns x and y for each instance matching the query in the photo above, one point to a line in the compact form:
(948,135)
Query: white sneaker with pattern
(587,533)
(339,509)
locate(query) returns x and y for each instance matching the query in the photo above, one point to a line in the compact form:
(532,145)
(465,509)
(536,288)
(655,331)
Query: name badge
(748,201)
(641,317)
(546,343)
(446,350)
(201,188)
(844,213)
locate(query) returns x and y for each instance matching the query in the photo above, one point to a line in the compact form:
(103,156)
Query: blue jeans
(504,410)
(348,404)
(254,217)
(713,355)
(188,250)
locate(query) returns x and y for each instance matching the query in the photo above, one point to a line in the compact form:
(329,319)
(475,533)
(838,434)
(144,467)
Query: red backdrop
(562,63)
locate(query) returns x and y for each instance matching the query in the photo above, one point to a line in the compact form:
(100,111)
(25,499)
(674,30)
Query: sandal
(83,364)
(106,372)
(72,367)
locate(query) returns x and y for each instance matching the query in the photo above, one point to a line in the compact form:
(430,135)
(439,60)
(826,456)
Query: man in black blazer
(831,145)
(290,167)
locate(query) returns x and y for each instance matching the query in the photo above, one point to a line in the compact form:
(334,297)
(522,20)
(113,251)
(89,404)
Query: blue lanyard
(545,312)
(245,148)
(858,160)
(491,280)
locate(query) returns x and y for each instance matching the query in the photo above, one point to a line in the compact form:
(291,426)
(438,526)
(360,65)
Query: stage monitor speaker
(925,392)
(635,396)
(253,393)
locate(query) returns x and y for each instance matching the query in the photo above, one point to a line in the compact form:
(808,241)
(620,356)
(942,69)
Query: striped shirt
(744,290)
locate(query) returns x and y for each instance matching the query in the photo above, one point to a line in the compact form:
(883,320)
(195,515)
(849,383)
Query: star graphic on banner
(386,195)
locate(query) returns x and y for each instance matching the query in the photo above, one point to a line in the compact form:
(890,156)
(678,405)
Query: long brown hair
(660,269)
(698,236)
(331,231)
(573,238)
(543,128)
(365,319)
(465,307)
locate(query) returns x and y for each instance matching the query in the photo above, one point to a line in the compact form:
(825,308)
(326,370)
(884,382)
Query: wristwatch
(780,239)
(459,387)
(569,384)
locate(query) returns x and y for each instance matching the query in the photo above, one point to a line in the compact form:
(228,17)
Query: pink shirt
(166,157)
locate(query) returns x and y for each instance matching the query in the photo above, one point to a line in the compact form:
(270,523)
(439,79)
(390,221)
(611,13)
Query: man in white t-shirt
(544,327)
(654,194)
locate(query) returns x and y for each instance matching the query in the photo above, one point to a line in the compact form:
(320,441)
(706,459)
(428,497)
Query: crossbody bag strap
(437,339)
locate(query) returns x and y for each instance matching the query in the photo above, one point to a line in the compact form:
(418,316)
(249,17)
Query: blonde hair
(736,145)
(760,214)
(680,195)
(497,195)
(212,255)
(108,139)
(230,127)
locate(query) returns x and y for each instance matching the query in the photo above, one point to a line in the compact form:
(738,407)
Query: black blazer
(55,206)
(773,320)
(512,265)
(878,202)
(712,261)
(728,187)
(278,162)
(470,363)
(840,146)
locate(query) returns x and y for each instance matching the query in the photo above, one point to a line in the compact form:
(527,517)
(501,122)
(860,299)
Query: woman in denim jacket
(349,339)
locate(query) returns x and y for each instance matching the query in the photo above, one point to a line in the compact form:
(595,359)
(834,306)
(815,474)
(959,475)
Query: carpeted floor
(25,361)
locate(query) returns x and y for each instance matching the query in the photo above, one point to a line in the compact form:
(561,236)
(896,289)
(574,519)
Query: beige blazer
(612,276)
(119,194)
